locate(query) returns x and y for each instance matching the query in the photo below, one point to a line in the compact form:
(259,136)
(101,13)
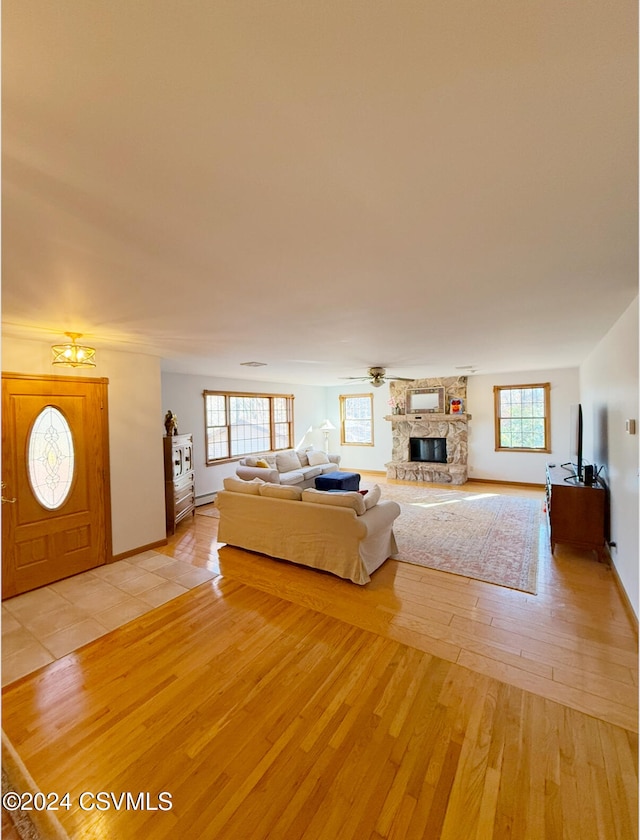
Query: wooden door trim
(52,377)
(102,382)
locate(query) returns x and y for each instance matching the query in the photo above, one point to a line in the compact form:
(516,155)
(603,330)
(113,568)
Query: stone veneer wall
(452,427)
(455,387)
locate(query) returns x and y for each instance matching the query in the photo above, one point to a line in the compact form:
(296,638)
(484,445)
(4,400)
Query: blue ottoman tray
(338,481)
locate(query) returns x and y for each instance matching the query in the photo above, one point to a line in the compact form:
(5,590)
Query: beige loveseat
(333,531)
(293,467)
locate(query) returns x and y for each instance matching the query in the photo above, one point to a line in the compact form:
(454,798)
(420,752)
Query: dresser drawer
(184,507)
(182,485)
(185,500)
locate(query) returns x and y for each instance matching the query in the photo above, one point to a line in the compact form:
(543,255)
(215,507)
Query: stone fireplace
(440,455)
(453,428)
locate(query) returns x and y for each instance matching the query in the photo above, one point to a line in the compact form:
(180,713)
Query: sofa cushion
(330,467)
(337,498)
(317,458)
(373,497)
(311,472)
(288,460)
(281,491)
(250,461)
(237,485)
(291,477)
(304,461)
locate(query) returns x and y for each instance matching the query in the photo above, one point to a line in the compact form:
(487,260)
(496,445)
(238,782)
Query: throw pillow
(281,491)
(250,461)
(237,485)
(317,458)
(261,462)
(287,461)
(337,498)
(373,497)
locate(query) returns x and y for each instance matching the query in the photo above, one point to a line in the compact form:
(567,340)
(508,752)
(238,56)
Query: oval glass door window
(51,458)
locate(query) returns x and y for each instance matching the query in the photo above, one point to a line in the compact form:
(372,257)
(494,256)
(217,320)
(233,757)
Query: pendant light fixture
(72,354)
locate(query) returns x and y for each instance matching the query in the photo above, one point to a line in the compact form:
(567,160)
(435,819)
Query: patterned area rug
(480,535)
(32,824)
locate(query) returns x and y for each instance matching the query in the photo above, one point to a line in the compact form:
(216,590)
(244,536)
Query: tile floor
(48,623)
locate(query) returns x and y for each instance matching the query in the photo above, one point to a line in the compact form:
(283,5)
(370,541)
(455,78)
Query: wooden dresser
(179,486)
(578,514)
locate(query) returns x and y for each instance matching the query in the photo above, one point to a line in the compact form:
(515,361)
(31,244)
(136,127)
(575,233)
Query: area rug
(18,786)
(483,535)
(208,510)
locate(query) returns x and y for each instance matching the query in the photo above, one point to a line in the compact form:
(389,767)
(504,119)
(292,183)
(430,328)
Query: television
(575,441)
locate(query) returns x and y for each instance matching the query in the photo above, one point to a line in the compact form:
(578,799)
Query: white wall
(609,397)
(137,471)
(357,458)
(529,467)
(135,438)
(182,394)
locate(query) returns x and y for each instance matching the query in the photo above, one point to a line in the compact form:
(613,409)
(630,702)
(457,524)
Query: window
(356,419)
(51,458)
(240,424)
(522,418)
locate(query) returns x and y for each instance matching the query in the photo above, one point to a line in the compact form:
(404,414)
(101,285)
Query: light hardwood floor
(279,702)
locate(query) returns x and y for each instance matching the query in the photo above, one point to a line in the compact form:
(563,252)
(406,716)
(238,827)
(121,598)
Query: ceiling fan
(377,376)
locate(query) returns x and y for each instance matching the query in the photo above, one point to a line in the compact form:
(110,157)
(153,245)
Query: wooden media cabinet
(578,514)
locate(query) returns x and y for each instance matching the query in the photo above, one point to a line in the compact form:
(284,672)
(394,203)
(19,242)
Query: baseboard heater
(206,499)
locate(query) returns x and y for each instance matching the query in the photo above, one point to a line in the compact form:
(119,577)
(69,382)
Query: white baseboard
(205,499)
(625,598)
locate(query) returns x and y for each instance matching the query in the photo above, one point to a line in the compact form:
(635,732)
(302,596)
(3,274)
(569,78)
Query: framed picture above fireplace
(425,400)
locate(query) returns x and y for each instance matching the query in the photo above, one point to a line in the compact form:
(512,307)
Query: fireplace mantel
(453,427)
(428,415)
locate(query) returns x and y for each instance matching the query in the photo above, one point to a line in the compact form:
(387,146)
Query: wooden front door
(56,517)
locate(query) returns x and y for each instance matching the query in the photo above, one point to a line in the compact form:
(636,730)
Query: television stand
(577,513)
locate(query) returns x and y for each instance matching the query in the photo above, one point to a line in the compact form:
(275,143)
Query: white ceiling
(321,186)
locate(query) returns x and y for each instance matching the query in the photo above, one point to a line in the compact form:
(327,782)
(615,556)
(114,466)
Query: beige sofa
(292,467)
(335,532)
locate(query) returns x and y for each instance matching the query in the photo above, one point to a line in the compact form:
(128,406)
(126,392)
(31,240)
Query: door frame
(103,383)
